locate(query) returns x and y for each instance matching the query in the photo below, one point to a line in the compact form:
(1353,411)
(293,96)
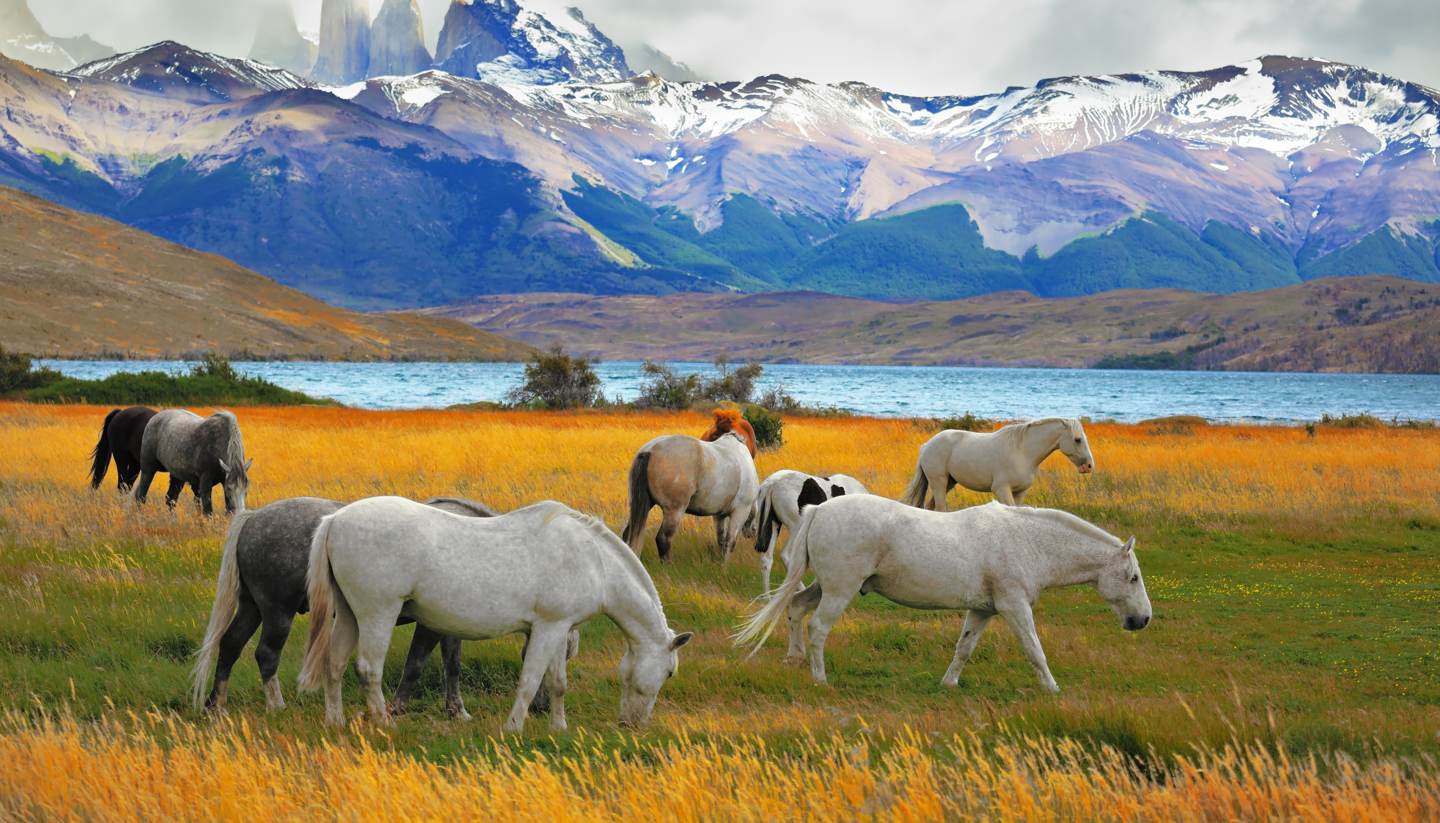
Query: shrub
(17,374)
(966,422)
(215,365)
(664,389)
(555,380)
(736,386)
(212,381)
(1351,421)
(767,425)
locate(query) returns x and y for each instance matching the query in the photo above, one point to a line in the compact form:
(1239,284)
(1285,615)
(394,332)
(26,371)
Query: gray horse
(262,585)
(200,451)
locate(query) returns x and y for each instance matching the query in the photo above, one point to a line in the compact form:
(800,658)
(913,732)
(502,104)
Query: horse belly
(474,620)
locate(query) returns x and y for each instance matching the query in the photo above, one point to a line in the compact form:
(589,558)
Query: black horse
(262,585)
(121,436)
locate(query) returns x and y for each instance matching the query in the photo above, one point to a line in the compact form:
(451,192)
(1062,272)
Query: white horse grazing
(777,505)
(1003,462)
(987,560)
(543,570)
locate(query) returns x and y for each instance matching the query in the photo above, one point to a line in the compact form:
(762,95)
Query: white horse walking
(1003,462)
(987,560)
(777,506)
(543,570)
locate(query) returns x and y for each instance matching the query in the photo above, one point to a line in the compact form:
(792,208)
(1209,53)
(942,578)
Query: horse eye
(1134,578)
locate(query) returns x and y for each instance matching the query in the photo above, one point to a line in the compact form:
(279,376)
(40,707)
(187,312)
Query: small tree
(215,365)
(664,389)
(16,373)
(555,380)
(767,425)
(736,386)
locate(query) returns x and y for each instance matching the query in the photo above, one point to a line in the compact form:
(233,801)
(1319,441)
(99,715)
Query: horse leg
(1019,495)
(421,645)
(832,603)
(555,684)
(205,493)
(546,641)
(125,472)
(1022,622)
(804,603)
(372,645)
(173,493)
(975,623)
(1003,494)
(733,525)
(767,560)
(940,485)
(669,524)
(273,634)
(143,487)
(450,661)
(342,643)
(232,642)
(541,703)
(722,529)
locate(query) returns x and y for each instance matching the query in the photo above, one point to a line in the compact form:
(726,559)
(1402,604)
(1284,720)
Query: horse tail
(769,523)
(100,455)
(640,501)
(324,598)
(915,492)
(797,561)
(227,593)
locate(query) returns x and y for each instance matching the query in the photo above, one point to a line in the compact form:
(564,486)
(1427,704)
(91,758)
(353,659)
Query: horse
(986,560)
(543,569)
(121,436)
(1002,462)
(196,450)
(262,584)
(712,476)
(777,505)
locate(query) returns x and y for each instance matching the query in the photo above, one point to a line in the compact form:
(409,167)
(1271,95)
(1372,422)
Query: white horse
(987,560)
(710,476)
(1003,462)
(778,505)
(542,570)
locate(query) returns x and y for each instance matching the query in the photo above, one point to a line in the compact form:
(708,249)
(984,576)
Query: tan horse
(710,476)
(1003,462)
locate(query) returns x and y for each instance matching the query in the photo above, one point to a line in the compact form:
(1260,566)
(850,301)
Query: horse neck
(1040,439)
(1075,552)
(630,597)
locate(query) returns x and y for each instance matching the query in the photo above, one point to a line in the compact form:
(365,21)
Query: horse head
(643,670)
(1123,587)
(236,483)
(1075,445)
(730,421)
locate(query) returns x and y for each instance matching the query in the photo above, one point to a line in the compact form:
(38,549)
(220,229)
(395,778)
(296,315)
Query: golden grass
(158,768)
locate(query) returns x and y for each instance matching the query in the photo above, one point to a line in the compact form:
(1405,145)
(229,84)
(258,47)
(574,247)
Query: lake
(889,391)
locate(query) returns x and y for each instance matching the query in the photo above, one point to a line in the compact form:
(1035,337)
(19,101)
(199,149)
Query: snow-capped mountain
(591,179)
(23,38)
(503,41)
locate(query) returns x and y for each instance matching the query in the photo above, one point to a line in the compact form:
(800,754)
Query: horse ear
(223,467)
(1129,545)
(680,640)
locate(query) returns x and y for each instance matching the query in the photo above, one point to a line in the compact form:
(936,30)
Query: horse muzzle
(1085,468)
(1136,622)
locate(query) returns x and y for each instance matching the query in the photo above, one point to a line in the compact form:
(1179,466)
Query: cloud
(916,46)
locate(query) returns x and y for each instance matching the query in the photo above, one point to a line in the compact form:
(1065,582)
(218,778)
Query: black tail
(100,457)
(769,525)
(640,501)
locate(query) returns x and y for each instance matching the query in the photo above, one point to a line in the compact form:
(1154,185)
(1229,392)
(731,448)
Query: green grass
(1319,639)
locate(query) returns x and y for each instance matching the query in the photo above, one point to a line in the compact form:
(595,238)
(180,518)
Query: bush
(736,386)
(17,374)
(664,389)
(966,422)
(555,380)
(767,425)
(1352,421)
(213,381)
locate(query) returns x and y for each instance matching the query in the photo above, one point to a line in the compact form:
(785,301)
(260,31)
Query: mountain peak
(344,55)
(504,41)
(397,40)
(23,38)
(278,40)
(180,72)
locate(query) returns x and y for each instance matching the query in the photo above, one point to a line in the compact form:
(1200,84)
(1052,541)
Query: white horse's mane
(1070,521)
(235,445)
(618,547)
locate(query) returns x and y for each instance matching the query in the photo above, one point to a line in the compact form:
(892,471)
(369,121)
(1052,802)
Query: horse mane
(235,444)
(1072,423)
(730,420)
(621,551)
(1074,523)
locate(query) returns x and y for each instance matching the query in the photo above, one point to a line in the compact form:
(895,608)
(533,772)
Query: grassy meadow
(1292,668)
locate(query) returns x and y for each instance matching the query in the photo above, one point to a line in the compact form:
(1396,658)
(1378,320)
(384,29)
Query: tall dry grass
(158,768)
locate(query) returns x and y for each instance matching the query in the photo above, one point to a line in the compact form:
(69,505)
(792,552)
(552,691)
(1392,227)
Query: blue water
(888,390)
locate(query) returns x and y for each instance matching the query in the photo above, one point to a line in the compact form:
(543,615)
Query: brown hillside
(1361,324)
(76,285)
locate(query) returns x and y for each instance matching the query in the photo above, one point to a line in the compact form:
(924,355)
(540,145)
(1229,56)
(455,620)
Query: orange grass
(158,768)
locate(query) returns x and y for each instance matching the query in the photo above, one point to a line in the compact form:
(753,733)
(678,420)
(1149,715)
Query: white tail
(227,591)
(323,594)
(915,492)
(797,561)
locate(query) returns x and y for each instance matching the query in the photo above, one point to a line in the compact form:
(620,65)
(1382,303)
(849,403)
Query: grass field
(1292,669)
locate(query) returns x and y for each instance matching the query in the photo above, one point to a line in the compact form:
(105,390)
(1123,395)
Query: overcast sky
(914,46)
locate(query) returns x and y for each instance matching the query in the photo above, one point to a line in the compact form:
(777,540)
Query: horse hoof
(460,715)
(793,660)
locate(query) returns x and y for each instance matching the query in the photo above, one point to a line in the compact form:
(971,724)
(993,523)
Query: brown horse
(712,476)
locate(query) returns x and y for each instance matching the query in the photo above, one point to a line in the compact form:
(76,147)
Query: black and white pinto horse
(195,450)
(779,502)
(121,437)
(262,585)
